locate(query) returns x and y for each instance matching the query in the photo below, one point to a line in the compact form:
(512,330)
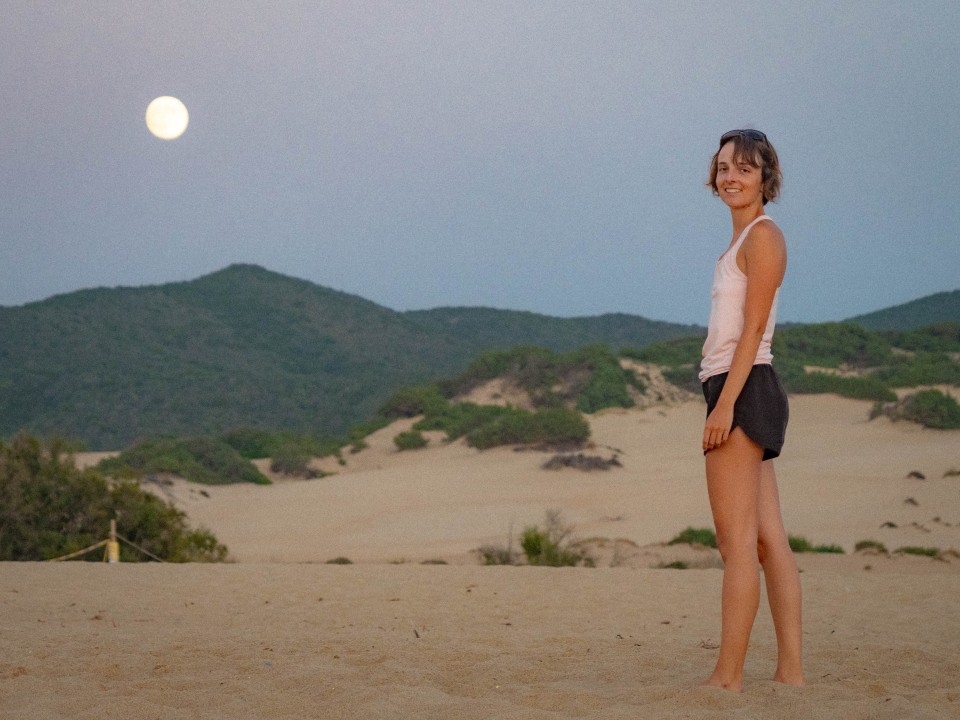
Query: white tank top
(727,301)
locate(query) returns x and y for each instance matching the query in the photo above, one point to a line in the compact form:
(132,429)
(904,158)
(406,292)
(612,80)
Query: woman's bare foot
(794,679)
(731,686)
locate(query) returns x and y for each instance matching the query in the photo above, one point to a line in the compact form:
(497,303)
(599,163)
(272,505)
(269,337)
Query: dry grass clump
(579,461)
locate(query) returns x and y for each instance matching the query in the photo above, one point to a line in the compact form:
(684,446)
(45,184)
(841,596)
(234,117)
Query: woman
(747,413)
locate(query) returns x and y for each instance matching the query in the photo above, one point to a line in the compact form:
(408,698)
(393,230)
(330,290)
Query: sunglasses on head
(751,134)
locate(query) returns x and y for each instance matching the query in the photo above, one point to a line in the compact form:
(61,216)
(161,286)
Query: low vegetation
(49,508)
(200,459)
(930,408)
(800,544)
(872,545)
(548,546)
(696,536)
(848,360)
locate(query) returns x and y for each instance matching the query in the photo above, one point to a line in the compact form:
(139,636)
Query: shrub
(410,440)
(672,353)
(49,508)
(831,344)
(835,549)
(932,409)
(675,565)
(696,536)
(925,368)
(549,546)
(552,426)
(410,402)
(460,419)
(870,545)
(199,459)
(340,561)
(799,544)
(914,550)
(293,459)
(858,388)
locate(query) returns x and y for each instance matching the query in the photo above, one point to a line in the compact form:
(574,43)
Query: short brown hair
(757,152)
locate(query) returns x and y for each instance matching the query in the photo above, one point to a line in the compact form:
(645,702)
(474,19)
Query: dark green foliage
(201,357)
(672,353)
(199,459)
(589,378)
(685,378)
(923,551)
(459,419)
(870,545)
(858,388)
(410,440)
(340,561)
(829,549)
(49,508)
(254,444)
(550,546)
(932,409)
(925,311)
(696,536)
(552,426)
(293,460)
(924,368)
(413,401)
(939,337)
(831,344)
(800,544)
(675,565)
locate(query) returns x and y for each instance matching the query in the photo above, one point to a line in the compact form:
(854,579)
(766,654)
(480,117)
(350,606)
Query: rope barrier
(78,553)
(137,547)
(112,553)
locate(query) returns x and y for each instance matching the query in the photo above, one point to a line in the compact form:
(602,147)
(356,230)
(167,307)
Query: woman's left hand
(716,430)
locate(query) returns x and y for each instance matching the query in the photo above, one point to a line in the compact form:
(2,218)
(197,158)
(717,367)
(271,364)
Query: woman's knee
(734,546)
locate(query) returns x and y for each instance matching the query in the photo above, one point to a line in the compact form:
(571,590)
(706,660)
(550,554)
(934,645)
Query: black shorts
(761,410)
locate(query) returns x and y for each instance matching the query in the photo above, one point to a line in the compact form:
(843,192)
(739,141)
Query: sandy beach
(279,633)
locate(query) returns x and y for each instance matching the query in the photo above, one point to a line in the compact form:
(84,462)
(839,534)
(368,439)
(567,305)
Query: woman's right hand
(716,429)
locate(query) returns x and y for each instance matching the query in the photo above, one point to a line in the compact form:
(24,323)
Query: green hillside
(245,347)
(484,329)
(929,310)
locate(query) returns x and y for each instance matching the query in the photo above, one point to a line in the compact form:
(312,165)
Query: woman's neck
(742,217)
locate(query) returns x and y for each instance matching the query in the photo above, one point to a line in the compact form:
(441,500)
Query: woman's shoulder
(765,234)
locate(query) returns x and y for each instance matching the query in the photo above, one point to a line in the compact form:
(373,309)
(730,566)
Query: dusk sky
(543,156)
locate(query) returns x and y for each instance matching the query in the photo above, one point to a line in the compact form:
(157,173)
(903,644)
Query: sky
(542,156)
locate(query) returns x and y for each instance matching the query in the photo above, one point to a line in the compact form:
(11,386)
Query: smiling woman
(167,117)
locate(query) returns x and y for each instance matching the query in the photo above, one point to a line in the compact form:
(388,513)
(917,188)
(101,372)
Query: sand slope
(841,479)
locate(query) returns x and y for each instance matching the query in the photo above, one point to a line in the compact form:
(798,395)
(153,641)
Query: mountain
(941,307)
(246,347)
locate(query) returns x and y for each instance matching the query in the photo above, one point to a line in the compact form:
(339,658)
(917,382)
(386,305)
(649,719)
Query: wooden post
(113,547)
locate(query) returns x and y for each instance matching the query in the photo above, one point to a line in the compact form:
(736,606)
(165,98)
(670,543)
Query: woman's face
(739,184)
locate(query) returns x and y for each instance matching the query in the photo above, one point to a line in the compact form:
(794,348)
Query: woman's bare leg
(782,580)
(733,483)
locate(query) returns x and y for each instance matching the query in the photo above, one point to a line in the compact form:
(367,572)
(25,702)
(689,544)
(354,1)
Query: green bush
(672,353)
(200,459)
(49,508)
(293,459)
(940,337)
(932,409)
(606,388)
(550,547)
(696,536)
(831,344)
(340,561)
(552,426)
(675,565)
(410,440)
(799,544)
(870,545)
(924,368)
(459,419)
(858,388)
(413,401)
(923,551)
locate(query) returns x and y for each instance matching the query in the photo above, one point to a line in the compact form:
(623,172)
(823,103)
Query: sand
(281,634)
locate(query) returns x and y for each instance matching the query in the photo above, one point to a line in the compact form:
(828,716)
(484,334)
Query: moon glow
(167,117)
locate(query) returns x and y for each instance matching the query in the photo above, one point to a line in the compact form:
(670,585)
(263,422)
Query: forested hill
(929,310)
(246,347)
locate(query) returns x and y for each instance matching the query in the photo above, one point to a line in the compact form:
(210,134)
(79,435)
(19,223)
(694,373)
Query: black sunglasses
(751,134)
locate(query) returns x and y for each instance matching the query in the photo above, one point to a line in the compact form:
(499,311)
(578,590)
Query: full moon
(167,117)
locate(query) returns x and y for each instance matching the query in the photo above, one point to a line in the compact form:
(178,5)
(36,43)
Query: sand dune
(280,634)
